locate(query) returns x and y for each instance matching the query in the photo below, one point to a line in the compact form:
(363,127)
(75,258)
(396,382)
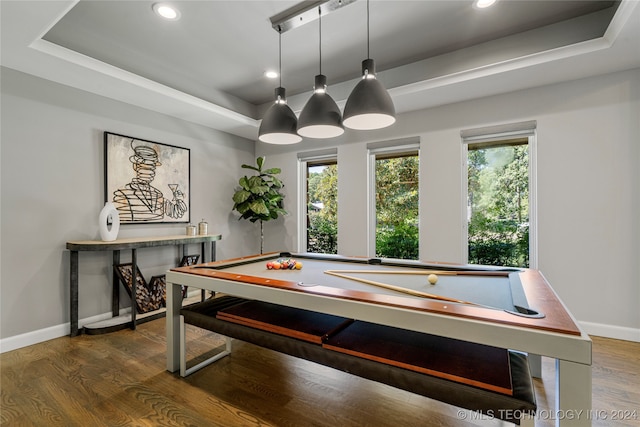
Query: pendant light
(369,106)
(279,123)
(320,117)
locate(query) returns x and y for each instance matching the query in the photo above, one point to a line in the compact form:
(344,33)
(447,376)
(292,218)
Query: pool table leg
(535,365)
(174,303)
(573,394)
(528,421)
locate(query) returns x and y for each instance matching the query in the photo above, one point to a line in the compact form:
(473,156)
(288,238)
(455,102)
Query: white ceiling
(208,66)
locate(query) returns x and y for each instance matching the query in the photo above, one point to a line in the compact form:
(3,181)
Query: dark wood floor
(120,379)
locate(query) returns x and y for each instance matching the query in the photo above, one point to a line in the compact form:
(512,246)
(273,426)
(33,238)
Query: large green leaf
(241,196)
(257,185)
(259,207)
(276,182)
(272,171)
(244,183)
(259,189)
(274,198)
(243,208)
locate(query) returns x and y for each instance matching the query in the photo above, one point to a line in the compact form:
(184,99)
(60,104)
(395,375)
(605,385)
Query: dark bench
(337,349)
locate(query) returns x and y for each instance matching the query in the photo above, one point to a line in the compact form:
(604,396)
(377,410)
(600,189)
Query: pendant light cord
(320,37)
(280,53)
(368,55)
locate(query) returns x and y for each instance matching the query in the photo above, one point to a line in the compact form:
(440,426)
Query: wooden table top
(139,242)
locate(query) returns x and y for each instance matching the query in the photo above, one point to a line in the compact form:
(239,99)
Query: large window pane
(498,203)
(322,207)
(397,222)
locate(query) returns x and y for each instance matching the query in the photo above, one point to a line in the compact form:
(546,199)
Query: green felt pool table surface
(515,296)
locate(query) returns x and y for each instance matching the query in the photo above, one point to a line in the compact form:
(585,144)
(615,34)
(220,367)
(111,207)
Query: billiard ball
(284,264)
(432,278)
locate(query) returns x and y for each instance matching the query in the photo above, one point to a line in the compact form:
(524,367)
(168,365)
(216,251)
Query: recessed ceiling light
(166,11)
(270,74)
(481,4)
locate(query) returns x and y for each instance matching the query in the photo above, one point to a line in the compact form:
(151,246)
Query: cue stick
(398,288)
(427,272)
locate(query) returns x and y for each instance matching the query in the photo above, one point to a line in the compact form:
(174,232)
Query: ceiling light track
(304,13)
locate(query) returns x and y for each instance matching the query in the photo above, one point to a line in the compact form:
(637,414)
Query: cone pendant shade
(320,117)
(279,123)
(369,106)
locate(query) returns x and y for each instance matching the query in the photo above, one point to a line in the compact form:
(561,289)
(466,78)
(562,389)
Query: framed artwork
(148,182)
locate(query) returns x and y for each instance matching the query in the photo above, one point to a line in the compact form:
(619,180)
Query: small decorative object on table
(109,222)
(203,228)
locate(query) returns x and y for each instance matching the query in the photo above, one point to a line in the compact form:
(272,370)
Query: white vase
(109,222)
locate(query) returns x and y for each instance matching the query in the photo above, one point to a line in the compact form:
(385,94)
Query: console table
(125,244)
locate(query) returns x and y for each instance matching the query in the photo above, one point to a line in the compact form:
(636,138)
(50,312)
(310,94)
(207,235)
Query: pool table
(508,308)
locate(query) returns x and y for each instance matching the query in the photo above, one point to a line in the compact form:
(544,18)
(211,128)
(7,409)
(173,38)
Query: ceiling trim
(24,50)
(110,71)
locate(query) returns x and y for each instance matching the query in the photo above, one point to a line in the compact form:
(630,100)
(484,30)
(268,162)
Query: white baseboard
(46,334)
(18,341)
(610,331)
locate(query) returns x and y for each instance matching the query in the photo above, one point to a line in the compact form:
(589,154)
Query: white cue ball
(432,278)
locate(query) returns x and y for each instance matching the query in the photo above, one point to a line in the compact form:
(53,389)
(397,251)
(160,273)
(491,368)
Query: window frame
(498,134)
(304,159)
(386,149)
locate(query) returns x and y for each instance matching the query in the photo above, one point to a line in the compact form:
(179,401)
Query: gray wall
(52,184)
(588,179)
(52,191)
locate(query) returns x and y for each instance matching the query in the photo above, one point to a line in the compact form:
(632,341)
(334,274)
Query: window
(320,204)
(499,199)
(395,182)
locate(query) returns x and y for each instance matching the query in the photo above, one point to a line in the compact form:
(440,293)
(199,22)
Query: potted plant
(258,198)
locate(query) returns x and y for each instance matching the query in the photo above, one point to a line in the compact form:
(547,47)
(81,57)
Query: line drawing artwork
(176,207)
(139,200)
(147,181)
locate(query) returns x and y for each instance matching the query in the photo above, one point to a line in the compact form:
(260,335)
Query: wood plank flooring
(119,379)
